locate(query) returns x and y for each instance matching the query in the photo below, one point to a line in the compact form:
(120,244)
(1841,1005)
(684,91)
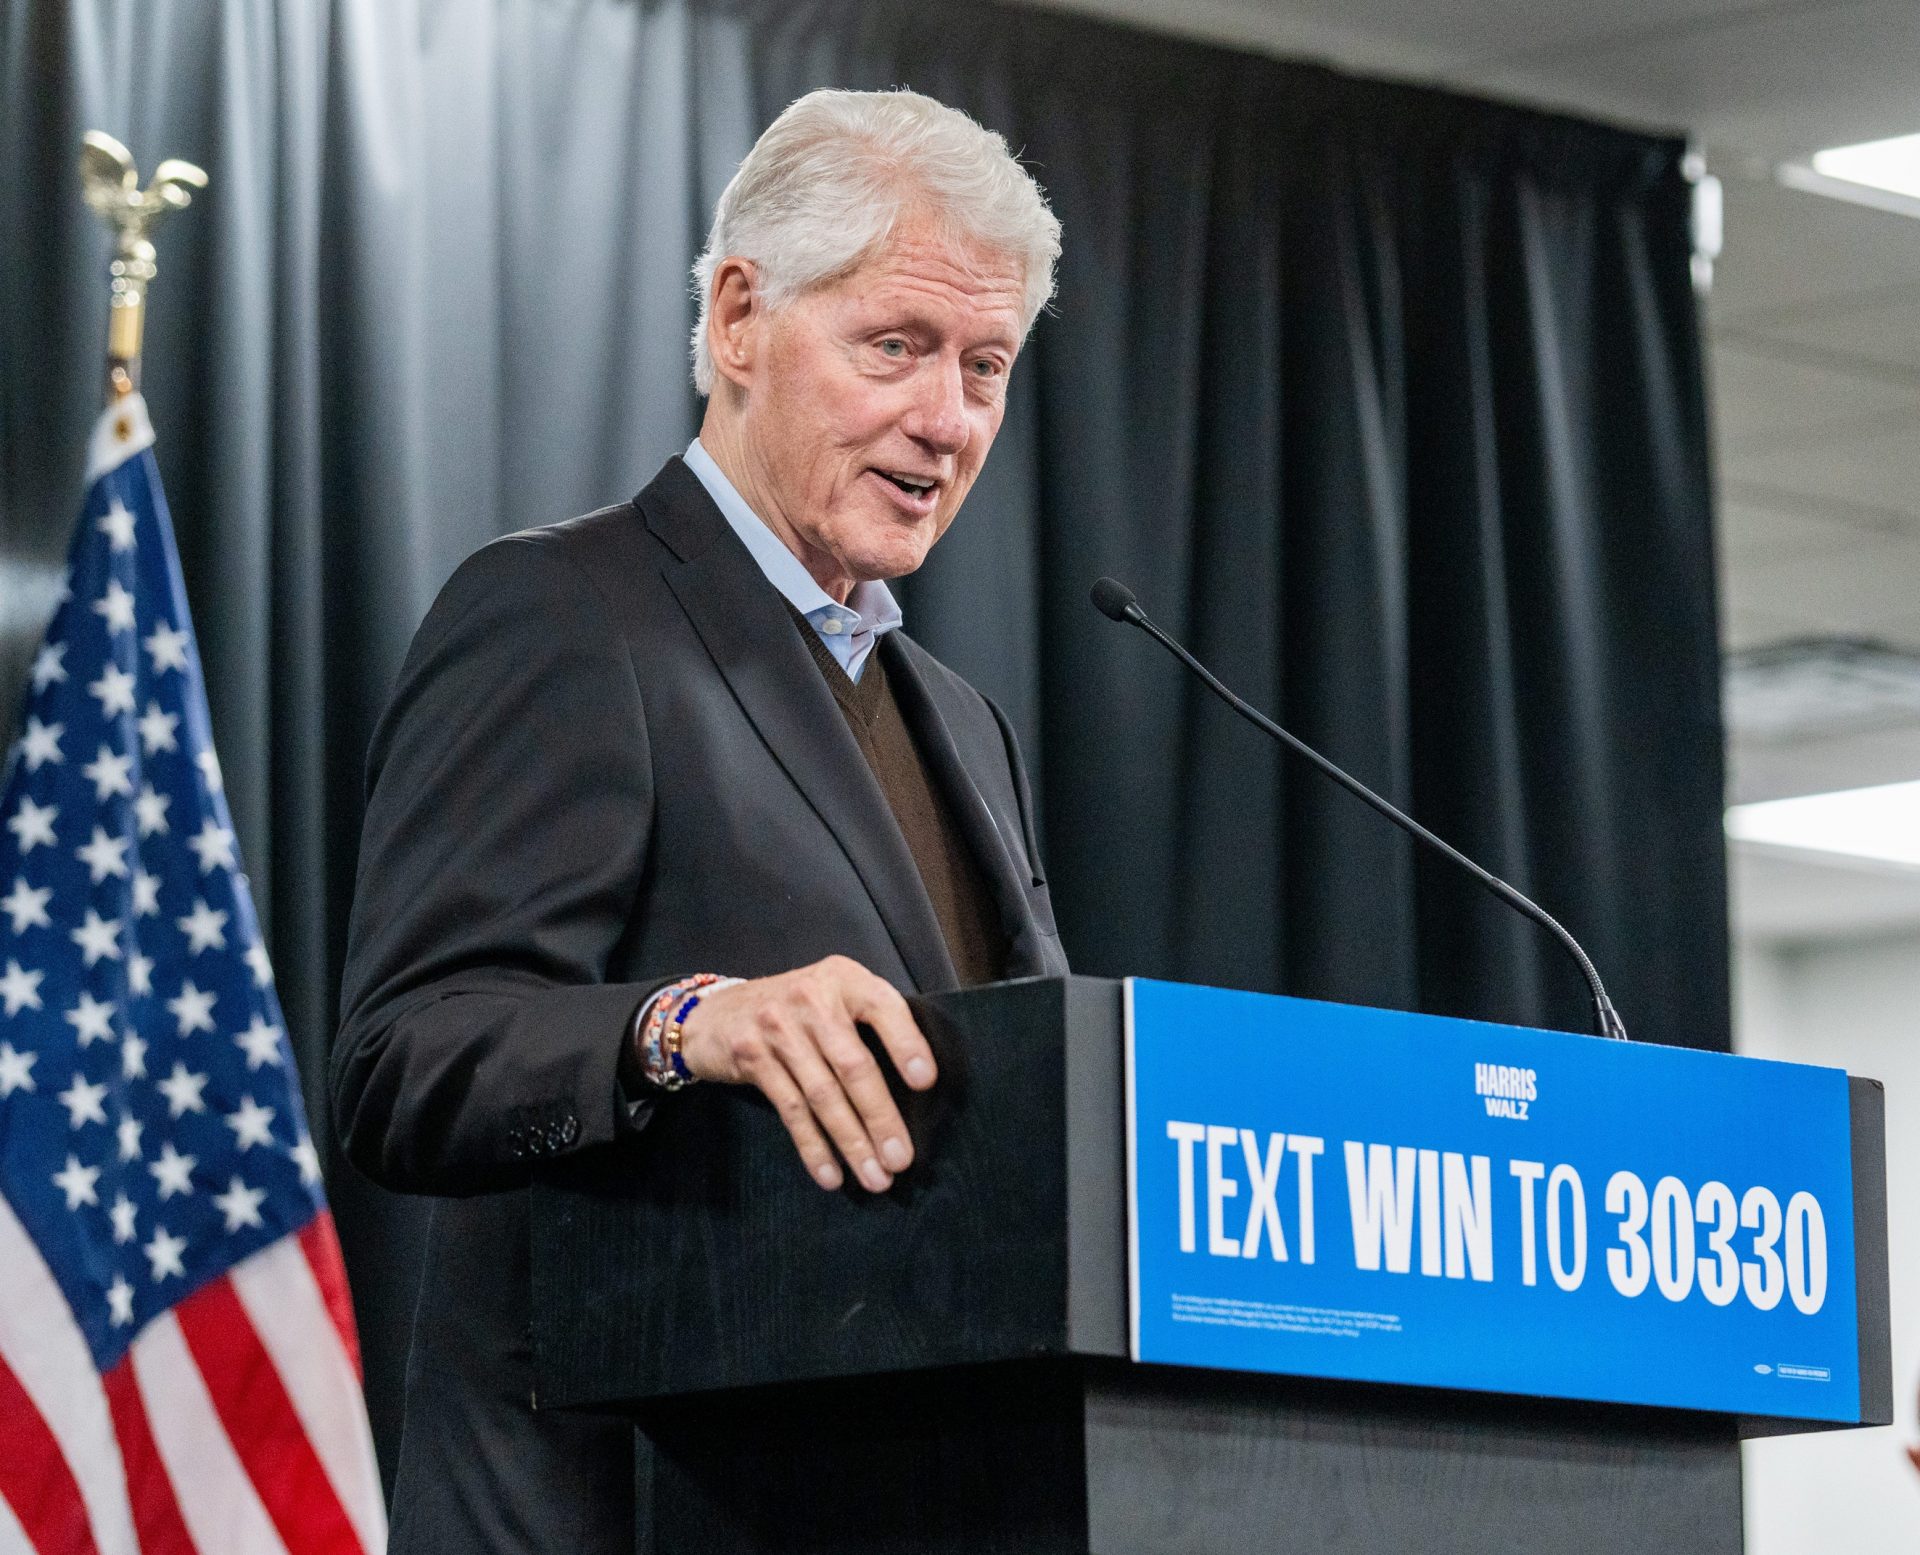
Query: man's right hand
(793,1037)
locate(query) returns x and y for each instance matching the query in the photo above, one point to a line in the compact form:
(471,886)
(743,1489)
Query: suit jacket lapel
(992,848)
(745,628)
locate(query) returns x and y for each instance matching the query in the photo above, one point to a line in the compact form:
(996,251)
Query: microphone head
(1114,600)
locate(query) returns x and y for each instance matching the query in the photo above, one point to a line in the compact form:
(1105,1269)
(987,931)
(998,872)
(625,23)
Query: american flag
(178,1365)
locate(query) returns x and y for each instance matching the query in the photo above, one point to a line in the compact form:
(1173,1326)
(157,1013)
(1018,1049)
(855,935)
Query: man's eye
(893,348)
(986,367)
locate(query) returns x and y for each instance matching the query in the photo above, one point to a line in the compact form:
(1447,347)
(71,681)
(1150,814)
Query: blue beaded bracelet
(662,1023)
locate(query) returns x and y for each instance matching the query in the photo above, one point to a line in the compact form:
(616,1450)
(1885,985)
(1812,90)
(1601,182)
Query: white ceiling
(1813,325)
(1774,78)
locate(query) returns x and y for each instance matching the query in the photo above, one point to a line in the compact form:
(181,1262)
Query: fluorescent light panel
(1882,823)
(1892,165)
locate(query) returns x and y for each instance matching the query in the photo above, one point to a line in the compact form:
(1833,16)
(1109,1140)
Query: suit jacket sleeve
(510,800)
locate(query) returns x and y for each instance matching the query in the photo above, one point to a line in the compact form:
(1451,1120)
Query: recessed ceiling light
(1883,175)
(1880,825)
(1892,165)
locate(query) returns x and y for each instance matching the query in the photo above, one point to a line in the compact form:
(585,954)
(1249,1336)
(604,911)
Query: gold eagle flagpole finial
(111,186)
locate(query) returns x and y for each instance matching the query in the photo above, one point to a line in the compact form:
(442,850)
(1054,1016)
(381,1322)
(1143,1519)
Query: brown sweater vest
(969,922)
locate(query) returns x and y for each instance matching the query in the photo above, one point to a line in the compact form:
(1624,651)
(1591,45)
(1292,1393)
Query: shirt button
(830,624)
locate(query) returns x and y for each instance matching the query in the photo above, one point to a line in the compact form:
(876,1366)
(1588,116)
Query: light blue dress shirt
(850,630)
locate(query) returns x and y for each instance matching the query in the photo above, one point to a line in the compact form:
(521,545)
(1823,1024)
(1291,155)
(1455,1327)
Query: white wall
(1854,1006)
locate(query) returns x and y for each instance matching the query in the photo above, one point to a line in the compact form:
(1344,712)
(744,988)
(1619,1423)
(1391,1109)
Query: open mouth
(918,492)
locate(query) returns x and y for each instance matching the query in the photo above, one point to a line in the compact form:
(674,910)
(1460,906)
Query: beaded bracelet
(662,1028)
(675,1032)
(654,1063)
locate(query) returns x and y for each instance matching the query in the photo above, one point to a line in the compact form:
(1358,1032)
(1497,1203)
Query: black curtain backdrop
(1388,401)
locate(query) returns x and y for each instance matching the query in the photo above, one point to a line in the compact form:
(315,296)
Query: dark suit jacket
(609,760)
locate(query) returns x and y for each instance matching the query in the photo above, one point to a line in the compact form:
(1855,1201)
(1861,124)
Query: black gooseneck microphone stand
(1115,601)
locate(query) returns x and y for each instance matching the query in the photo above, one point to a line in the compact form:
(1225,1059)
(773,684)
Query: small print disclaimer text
(1282,1317)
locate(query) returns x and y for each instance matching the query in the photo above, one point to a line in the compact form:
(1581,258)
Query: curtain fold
(1388,401)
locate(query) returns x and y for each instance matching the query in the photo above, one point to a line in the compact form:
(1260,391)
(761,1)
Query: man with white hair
(664,795)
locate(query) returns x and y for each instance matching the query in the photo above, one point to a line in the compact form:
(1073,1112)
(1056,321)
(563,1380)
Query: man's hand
(793,1037)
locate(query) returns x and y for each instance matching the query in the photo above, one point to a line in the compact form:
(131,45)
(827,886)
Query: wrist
(654,1036)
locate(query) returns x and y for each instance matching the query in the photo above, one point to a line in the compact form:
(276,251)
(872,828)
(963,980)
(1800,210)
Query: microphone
(1115,601)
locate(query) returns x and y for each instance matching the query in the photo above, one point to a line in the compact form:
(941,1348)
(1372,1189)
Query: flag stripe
(156,1509)
(261,1422)
(221,1509)
(48,1354)
(321,1244)
(287,1308)
(13,1538)
(35,1479)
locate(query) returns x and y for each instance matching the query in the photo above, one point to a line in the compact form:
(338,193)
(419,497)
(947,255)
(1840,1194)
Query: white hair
(823,187)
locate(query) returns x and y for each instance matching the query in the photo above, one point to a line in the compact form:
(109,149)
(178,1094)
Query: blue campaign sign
(1330,1191)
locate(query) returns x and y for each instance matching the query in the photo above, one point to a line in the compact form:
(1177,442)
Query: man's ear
(733,320)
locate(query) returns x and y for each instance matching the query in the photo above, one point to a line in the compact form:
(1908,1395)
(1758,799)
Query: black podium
(943,1368)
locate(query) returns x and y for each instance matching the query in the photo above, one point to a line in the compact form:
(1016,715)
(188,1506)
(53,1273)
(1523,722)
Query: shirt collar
(870,608)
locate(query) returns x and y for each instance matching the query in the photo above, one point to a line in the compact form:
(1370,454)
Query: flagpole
(111,186)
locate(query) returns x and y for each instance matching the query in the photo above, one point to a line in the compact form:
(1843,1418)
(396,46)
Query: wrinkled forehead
(926,263)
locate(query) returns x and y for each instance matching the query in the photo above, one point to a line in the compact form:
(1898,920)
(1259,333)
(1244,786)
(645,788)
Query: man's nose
(939,415)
